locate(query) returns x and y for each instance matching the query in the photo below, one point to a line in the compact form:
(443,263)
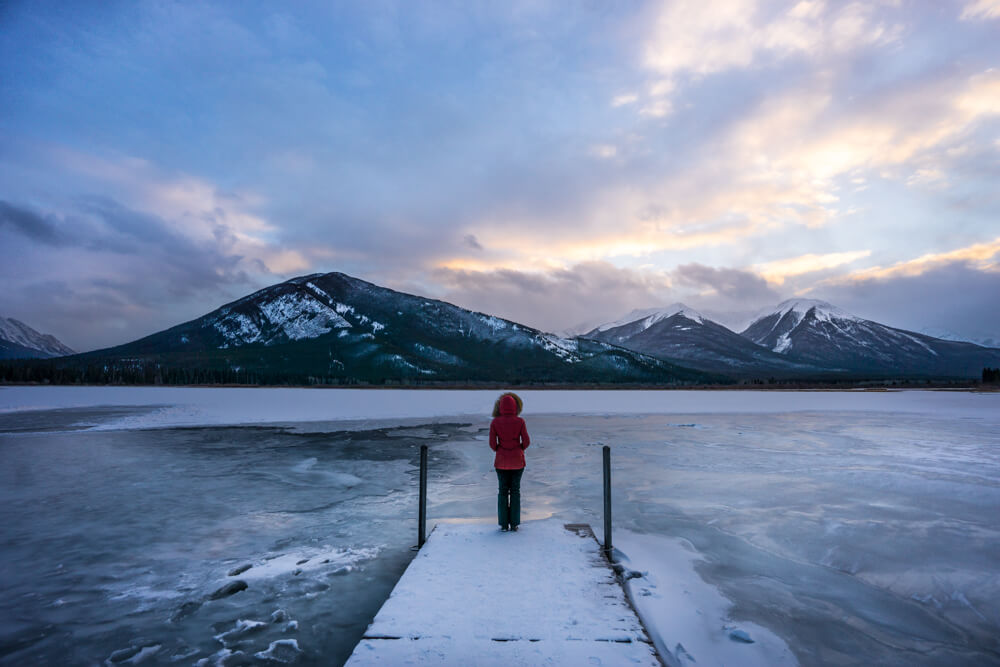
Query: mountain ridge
(815,332)
(798,337)
(334,328)
(20,341)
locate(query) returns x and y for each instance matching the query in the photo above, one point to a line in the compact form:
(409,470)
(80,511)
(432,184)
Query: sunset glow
(157,161)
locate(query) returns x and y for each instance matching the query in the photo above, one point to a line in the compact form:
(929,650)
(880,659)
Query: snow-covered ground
(825,527)
(476,596)
(189,406)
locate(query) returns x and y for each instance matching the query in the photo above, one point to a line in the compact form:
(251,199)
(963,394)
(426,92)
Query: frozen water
(850,527)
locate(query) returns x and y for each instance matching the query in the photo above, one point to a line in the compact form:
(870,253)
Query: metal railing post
(607,501)
(422,519)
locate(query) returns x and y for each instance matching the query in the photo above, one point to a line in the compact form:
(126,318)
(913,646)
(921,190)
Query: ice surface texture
(846,524)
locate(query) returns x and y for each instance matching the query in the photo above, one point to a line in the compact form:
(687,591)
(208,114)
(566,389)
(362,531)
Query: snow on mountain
(798,337)
(816,332)
(980,338)
(282,317)
(336,328)
(797,309)
(18,340)
(646,318)
(680,334)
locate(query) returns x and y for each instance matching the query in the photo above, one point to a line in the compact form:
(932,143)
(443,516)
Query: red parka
(508,436)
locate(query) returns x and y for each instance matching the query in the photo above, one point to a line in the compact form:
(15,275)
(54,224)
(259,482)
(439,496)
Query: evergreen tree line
(991,375)
(148,372)
(152,373)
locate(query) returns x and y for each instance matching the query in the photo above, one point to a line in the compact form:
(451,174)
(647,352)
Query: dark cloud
(121,273)
(186,266)
(30,224)
(471,241)
(733,284)
(956,298)
(587,293)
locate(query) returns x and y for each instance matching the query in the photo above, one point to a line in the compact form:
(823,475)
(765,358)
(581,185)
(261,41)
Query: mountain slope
(19,341)
(682,334)
(335,328)
(811,331)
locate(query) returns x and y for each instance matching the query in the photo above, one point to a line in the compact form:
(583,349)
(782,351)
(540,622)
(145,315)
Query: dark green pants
(509,497)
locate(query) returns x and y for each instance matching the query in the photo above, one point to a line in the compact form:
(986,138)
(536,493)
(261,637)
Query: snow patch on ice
(281,650)
(325,559)
(222,658)
(134,655)
(241,629)
(687,618)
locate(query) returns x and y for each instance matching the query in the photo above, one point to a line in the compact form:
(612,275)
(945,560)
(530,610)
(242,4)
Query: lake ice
(848,527)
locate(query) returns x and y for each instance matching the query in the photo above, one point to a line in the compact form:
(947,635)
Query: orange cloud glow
(981,255)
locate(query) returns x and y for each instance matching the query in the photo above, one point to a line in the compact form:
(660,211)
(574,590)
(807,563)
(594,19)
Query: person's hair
(517,399)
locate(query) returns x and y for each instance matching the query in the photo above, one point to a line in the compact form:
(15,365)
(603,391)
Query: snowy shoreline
(167,407)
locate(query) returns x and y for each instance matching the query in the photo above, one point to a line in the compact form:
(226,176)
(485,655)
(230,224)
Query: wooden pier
(476,596)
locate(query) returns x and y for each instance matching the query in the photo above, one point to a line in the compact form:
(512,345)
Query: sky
(554,163)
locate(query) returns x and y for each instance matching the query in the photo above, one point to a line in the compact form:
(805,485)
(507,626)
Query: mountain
(332,328)
(815,332)
(981,338)
(681,334)
(19,341)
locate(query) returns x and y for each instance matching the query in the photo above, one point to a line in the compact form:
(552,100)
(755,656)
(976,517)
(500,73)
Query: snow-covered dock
(476,596)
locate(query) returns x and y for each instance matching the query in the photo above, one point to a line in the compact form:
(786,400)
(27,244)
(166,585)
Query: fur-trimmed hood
(504,407)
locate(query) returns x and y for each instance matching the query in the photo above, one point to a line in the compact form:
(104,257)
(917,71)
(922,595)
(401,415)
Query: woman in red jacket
(508,438)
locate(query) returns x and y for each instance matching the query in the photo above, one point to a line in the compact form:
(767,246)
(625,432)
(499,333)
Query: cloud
(605,151)
(732,284)
(150,250)
(776,271)
(985,9)
(30,224)
(712,133)
(197,208)
(954,298)
(782,163)
(657,108)
(625,99)
(979,256)
(701,37)
(588,292)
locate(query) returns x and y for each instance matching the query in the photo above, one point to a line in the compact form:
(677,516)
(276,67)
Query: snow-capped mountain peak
(822,310)
(21,335)
(651,316)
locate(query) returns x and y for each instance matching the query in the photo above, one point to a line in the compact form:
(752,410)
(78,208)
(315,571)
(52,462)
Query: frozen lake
(857,527)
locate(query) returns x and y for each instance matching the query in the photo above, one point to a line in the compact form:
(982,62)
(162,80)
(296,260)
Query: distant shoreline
(867,386)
